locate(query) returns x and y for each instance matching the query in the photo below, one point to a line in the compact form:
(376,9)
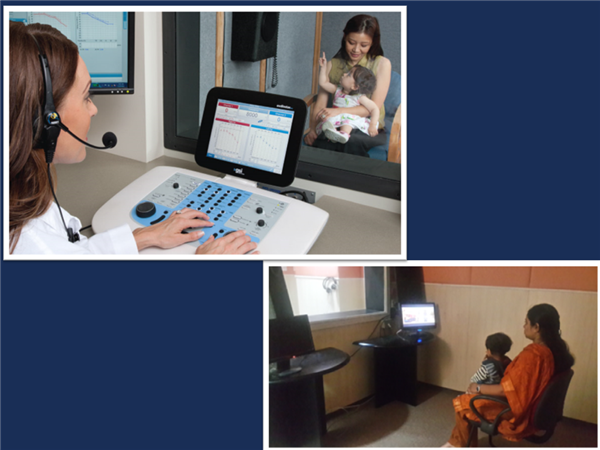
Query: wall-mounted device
(254,35)
(106,42)
(330,284)
(251,137)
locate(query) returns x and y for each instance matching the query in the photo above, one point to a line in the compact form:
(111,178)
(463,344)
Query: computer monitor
(289,337)
(251,135)
(418,316)
(105,40)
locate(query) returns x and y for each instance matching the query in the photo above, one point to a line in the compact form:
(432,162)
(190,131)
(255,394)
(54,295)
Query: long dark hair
(547,318)
(29,192)
(362,24)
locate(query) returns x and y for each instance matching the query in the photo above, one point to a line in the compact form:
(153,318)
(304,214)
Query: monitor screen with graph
(252,135)
(105,41)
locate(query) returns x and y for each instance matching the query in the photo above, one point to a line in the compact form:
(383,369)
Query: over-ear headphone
(50,119)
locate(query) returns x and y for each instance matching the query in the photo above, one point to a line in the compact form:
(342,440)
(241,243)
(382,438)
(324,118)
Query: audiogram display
(100,30)
(102,39)
(250,135)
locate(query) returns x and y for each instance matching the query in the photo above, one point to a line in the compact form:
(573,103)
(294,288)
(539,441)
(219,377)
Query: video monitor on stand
(417,319)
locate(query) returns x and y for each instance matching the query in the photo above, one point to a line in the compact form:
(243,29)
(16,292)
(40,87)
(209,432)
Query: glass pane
(290,73)
(187,74)
(332,42)
(325,290)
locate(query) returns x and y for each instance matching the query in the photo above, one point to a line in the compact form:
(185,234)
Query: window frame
(376,308)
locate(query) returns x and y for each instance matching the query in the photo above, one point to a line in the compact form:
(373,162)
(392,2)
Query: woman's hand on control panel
(168,233)
(236,243)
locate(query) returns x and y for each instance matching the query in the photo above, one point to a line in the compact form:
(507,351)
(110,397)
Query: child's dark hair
(498,343)
(365,81)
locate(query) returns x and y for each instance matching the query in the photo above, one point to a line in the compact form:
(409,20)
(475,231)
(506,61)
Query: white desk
(352,229)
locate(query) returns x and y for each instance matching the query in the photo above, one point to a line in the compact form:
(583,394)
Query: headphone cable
(73,237)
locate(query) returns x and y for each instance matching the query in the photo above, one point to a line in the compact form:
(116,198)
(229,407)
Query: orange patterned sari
(524,381)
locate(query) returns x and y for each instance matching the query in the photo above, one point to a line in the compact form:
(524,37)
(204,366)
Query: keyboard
(399,340)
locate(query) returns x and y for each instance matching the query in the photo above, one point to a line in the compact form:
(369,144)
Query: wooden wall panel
(355,381)
(567,278)
(325,271)
(442,362)
(351,272)
(571,278)
(491,310)
(469,314)
(447,275)
(501,276)
(579,326)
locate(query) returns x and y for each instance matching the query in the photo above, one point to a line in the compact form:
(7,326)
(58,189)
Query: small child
(495,362)
(355,87)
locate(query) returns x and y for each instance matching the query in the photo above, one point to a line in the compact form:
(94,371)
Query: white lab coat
(46,235)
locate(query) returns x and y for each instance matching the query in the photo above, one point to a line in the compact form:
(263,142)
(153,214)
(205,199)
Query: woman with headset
(49,91)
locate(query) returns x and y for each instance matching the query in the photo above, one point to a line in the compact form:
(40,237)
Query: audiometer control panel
(228,208)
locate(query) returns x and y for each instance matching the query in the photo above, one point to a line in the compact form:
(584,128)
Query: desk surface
(395,341)
(314,364)
(352,228)
(355,229)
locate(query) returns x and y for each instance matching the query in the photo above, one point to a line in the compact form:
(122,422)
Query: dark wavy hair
(365,80)
(547,318)
(498,343)
(30,195)
(362,24)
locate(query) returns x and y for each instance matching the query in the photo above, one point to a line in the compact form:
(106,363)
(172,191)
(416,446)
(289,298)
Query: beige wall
(468,314)
(355,381)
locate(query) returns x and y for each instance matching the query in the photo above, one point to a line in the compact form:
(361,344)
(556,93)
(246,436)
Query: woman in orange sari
(524,380)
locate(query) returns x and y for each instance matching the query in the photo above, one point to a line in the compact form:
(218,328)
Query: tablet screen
(252,135)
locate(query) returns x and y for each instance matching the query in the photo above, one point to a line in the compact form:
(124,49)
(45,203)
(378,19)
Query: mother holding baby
(525,379)
(361,46)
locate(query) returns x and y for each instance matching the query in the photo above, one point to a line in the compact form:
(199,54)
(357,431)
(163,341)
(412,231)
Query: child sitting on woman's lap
(355,87)
(495,362)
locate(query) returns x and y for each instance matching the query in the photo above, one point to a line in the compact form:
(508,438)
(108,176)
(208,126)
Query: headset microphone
(109,139)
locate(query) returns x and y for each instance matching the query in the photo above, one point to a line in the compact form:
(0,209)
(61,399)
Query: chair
(545,413)
(391,150)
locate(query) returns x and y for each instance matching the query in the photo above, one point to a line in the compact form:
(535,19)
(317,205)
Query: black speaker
(254,35)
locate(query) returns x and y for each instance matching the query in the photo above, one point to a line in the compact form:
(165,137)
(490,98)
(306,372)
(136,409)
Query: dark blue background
(503,163)
(123,355)
(503,130)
